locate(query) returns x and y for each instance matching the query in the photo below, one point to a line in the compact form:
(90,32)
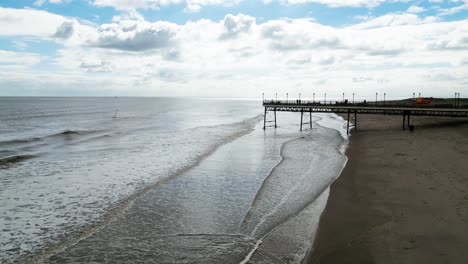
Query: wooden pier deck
(379,108)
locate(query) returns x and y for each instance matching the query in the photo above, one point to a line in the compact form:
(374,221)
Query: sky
(234,48)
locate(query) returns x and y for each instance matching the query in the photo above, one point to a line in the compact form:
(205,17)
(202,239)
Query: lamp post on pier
(384,98)
(287,98)
(353,98)
(313,98)
(325,98)
(376,95)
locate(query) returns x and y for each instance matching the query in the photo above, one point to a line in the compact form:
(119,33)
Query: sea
(161,180)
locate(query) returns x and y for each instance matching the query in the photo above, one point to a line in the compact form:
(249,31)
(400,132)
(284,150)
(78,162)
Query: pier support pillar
(302,115)
(310,117)
(269,118)
(404,120)
(408,120)
(355,120)
(347,126)
(275,119)
(308,120)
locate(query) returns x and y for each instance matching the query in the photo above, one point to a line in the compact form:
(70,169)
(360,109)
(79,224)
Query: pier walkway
(307,108)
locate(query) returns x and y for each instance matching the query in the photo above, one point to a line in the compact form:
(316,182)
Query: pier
(307,108)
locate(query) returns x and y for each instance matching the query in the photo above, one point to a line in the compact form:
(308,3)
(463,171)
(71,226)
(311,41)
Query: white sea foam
(337,123)
(295,191)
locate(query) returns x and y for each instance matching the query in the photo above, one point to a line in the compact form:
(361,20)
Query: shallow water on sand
(65,162)
(210,187)
(232,207)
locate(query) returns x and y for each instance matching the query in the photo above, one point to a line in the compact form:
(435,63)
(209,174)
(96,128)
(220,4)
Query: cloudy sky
(233,48)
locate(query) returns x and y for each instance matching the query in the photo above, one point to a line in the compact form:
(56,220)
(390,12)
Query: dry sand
(402,198)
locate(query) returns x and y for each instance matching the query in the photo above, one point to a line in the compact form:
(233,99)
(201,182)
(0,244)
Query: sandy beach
(402,198)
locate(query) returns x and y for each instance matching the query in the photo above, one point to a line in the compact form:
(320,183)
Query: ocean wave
(65,133)
(8,161)
(18,141)
(51,115)
(72,133)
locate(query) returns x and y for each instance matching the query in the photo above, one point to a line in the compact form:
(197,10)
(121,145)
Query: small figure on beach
(411,128)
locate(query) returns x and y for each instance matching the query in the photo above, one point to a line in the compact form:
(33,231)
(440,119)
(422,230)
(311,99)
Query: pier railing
(388,104)
(406,109)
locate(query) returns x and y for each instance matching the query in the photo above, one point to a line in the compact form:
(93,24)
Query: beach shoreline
(271,212)
(402,197)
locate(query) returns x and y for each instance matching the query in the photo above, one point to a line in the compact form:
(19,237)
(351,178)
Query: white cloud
(65,30)
(299,34)
(235,25)
(237,55)
(136,35)
(10,60)
(28,22)
(393,20)
(20,45)
(196,5)
(454,10)
(416,9)
(191,5)
(342,3)
(41,2)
